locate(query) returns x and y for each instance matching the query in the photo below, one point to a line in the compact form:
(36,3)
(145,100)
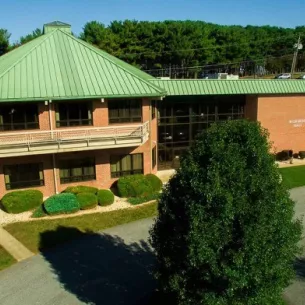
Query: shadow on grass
(100,268)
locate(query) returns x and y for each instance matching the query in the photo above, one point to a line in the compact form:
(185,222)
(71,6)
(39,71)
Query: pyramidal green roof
(57,66)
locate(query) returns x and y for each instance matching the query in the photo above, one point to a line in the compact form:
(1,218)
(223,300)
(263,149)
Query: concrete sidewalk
(13,246)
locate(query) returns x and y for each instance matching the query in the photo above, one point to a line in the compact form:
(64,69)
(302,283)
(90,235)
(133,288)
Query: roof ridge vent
(52,26)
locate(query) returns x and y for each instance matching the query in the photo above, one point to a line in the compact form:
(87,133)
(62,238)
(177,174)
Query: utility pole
(298,46)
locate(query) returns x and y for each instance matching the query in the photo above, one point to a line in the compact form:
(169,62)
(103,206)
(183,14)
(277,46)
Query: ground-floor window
(77,170)
(23,175)
(154,157)
(126,165)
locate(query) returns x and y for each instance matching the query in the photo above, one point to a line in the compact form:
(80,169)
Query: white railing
(72,135)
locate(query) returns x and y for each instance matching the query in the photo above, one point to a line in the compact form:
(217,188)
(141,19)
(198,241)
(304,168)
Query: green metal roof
(241,86)
(59,66)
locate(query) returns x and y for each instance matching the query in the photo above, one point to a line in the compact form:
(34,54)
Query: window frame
(71,122)
(119,107)
(153,109)
(68,165)
(26,110)
(22,184)
(120,159)
(154,157)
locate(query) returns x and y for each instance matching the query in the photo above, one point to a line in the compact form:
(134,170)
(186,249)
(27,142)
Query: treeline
(162,47)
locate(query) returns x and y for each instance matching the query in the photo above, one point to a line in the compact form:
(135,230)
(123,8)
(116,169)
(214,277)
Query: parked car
(283,76)
(301,77)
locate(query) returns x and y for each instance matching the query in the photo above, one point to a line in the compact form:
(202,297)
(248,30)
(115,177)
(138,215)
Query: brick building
(72,114)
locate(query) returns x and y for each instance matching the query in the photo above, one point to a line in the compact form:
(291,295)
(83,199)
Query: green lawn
(293,176)
(58,231)
(6,259)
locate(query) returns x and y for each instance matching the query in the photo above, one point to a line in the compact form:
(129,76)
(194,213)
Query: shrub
(61,204)
(155,182)
(139,200)
(228,217)
(284,155)
(124,186)
(80,189)
(134,186)
(105,197)
(87,200)
(21,201)
(296,155)
(302,154)
(39,212)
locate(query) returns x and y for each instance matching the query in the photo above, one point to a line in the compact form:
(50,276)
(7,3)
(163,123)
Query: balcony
(76,139)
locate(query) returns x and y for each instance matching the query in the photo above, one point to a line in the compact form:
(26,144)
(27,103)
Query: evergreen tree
(225,232)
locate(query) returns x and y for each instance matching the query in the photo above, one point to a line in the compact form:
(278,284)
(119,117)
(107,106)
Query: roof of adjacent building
(57,65)
(241,86)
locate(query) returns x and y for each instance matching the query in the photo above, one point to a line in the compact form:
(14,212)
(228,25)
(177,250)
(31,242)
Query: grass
(29,233)
(293,176)
(6,259)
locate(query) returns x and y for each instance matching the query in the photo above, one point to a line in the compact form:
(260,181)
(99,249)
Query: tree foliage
(4,41)
(225,232)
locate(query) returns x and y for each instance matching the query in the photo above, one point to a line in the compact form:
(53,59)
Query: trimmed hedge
(80,189)
(21,201)
(61,204)
(302,154)
(87,200)
(139,200)
(105,197)
(155,182)
(138,185)
(39,212)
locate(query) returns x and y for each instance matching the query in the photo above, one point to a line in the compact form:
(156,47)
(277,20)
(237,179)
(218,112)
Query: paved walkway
(110,268)
(13,246)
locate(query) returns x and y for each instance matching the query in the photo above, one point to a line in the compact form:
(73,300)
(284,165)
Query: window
(73,114)
(23,175)
(125,111)
(77,170)
(126,165)
(19,117)
(153,109)
(154,157)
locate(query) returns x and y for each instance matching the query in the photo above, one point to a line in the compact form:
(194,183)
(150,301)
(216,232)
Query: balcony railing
(61,140)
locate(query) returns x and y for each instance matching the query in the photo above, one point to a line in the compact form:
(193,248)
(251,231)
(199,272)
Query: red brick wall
(276,113)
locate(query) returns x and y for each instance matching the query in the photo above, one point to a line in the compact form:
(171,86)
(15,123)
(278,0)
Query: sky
(21,17)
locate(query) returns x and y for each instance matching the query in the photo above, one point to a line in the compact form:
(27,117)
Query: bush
(105,197)
(296,155)
(21,201)
(139,200)
(155,182)
(302,154)
(284,155)
(87,200)
(134,186)
(61,204)
(228,219)
(39,212)
(80,189)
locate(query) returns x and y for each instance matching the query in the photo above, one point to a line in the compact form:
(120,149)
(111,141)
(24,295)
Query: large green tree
(4,41)
(225,232)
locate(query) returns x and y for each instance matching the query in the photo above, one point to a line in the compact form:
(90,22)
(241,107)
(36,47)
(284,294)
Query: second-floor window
(125,111)
(19,117)
(73,114)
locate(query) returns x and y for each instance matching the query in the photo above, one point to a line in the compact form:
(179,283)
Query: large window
(73,114)
(181,119)
(126,165)
(23,175)
(19,117)
(77,170)
(125,111)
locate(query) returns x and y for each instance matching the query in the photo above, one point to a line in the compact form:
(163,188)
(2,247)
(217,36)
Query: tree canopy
(225,232)
(174,45)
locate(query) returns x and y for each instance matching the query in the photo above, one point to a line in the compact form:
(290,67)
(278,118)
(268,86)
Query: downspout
(150,136)
(53,155)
